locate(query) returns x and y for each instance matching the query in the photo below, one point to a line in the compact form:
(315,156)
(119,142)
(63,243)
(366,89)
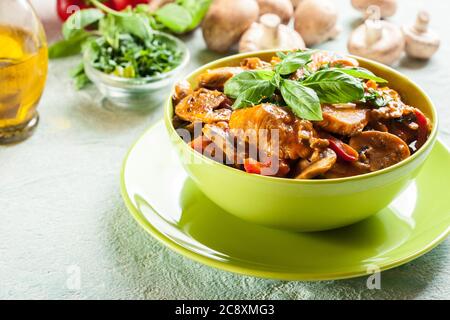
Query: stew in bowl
(301,115)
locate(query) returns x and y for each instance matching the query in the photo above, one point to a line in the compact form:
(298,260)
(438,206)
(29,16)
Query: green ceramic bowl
(305,205)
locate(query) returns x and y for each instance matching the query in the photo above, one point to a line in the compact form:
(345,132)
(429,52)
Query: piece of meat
(378,149)
(255,63)
(331,59)
(219,134)
(393,110)
(200,143)
(343,121)
(319,167)
(205,106)
(215,79)
(293,134)
(182,90)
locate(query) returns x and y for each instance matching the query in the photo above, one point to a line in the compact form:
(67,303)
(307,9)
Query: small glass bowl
(135,92)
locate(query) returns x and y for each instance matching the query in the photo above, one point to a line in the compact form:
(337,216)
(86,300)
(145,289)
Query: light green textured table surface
(61,209)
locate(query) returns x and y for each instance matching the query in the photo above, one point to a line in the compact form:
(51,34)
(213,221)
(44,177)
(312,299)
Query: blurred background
(62,210)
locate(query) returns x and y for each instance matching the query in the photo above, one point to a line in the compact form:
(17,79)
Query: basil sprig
(334,86)
(303,97)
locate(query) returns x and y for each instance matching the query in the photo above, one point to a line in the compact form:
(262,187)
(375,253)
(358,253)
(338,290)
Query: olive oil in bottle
(23,71)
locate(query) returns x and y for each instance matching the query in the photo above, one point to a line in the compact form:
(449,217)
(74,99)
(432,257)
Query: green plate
(167,204)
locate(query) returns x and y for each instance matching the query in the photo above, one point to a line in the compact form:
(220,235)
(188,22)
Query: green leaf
(255,94)
(333,86)
(302,100)
(244,80)
(80,20)
(80,78)
(72,46)
(197,9)
(135,24)
(293,61)
(174,17)
(376,98)
(361,73)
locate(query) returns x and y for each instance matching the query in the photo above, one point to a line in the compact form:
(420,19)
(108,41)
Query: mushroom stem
(374,30)
(422,21)
(270,23)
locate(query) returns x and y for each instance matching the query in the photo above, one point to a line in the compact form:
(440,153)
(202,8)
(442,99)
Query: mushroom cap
(226,21)
(387,7)
(387,49)
(315,20)
(420,42)
(282,8)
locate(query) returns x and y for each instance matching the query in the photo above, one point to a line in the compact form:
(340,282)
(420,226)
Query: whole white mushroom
(421,42)
(226,21)
(316,21)
(269,33)
(377,39)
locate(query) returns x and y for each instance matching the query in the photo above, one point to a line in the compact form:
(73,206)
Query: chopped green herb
(134,57)
(376,98)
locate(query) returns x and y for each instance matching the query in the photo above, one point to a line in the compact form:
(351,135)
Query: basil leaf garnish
(302,100)
(293,61)
(245,80)
(361,73)
(255,94)
(334,86)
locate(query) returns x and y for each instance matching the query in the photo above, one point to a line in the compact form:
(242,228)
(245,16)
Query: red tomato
(136,2)
(66,8)
(121,4)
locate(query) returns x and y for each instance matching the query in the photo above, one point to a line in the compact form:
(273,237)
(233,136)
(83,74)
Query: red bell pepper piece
(343,150)
(256,167)
(422,131)
(253,166)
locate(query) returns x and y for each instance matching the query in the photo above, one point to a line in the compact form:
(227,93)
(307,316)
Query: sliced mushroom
(342,169)
(343,121)
(376,39)
(327,160)
(269,33)
(421,43)
(204,106)
(379,150)
(215,79)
